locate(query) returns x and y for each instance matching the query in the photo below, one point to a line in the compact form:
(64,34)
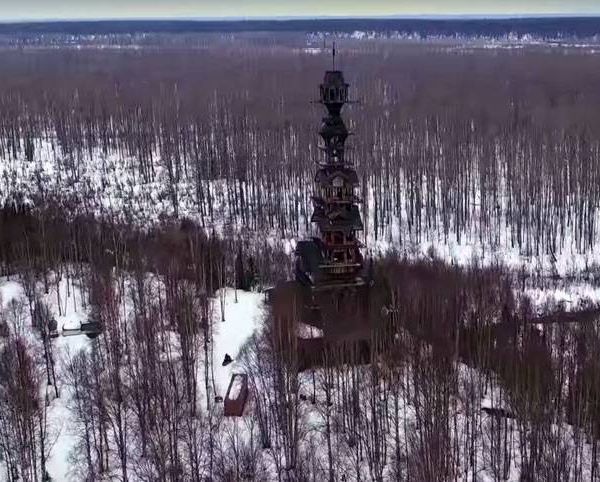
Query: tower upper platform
(334,91)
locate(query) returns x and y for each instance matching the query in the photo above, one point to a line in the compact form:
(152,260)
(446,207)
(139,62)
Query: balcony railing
(332,244)
(340,268)
(348,199)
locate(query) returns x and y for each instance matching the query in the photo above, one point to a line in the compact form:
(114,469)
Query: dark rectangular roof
(342,218)
(326,174)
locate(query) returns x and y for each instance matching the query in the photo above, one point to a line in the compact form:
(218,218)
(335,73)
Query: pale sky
(99,9)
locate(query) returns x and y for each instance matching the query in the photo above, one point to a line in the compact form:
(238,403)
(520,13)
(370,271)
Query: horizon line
(255,18)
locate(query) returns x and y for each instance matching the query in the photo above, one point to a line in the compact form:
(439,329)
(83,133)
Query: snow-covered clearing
(242,319)
(568,298)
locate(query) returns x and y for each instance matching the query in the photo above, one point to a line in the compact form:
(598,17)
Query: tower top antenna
(333,55)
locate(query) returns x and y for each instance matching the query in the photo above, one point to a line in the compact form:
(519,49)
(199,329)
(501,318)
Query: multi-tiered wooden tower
(329,268)
(334,259)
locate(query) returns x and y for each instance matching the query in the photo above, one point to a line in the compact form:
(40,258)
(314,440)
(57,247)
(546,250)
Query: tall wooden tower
(334,258)
(329,268)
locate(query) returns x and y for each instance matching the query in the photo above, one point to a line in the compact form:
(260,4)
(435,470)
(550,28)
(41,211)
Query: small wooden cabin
(237,395)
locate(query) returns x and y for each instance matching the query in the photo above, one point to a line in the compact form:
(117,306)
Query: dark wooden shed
(237,395)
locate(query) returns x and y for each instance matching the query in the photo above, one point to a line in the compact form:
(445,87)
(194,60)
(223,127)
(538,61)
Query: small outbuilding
(237,395)
(91,328)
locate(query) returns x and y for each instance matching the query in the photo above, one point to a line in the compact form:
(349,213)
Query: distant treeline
(547,27)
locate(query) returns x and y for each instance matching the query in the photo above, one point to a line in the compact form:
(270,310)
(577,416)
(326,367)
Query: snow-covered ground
(243,313)
(69,314)
(106,185)
(242,316)
(236,387)
(242,319)
(571,298)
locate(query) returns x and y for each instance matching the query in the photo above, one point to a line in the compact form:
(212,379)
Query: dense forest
(157,184)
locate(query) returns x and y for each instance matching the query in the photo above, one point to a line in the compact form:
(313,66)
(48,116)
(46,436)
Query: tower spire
(333,55)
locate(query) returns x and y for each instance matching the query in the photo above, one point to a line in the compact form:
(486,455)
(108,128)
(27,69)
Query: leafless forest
(497,147)
(141,177)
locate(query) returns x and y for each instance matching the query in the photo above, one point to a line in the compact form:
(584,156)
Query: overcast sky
(90,9)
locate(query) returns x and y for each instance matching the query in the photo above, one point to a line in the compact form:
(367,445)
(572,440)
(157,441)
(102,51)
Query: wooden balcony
(344,200)
(354,282)
(342,245)
(340,269)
